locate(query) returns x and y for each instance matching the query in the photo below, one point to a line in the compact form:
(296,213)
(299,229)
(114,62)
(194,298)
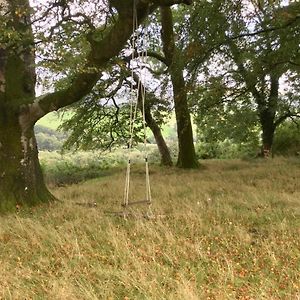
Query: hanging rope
(137,94)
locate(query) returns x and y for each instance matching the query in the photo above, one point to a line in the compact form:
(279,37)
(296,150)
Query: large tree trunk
(21,179)
(267,112)
(187,154)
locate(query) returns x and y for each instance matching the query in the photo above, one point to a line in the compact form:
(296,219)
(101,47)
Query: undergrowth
(73,167)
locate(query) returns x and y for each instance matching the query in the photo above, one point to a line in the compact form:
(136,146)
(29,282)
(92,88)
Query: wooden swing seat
(136,203)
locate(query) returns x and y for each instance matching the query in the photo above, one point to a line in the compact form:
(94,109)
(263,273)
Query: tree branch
(152,54)
(101,52)
(282,118)
(170,2)
(157,56)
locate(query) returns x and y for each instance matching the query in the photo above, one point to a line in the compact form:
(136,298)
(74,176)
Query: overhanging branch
(282,118)
(170,2)
(101,52)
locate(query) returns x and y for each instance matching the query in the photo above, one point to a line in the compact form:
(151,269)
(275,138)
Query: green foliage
(287,140)
(72,168)
(225,129)
(169,130)
(226,149)
(96,126)
(49,139)
(63,44)
(11,35)
(243,66)
(219,118)
(54,119)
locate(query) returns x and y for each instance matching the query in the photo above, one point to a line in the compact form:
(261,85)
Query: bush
(49,139)
(225,150)
(287,140)
(69,168)
(75,167)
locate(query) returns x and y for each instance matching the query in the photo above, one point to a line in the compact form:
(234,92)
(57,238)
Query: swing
(136,95)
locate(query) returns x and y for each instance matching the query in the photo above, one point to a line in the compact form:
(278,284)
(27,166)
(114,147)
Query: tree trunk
(21,179)
(187,154)
(166,159)
(267,113)
(268,129)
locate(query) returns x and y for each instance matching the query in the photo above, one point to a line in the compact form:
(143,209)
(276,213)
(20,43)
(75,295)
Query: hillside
(52,120)
(49,138)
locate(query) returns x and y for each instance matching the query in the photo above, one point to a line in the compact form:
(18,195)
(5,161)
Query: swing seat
(136,203)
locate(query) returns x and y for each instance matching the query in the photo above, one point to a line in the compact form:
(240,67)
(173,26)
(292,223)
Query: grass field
(52,120)
(230,230)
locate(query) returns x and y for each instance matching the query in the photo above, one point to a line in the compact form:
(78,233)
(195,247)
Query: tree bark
(21,179)
(267,111)
(187,154)
(267,106)
(268,129)
(166,159)
(165,156)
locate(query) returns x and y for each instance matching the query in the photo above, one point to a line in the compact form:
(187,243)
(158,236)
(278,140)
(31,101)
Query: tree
(174,59)
(167,65)
(255,46)
(175,62)
(225,120)
(100,122)
(166,159)
(21,179)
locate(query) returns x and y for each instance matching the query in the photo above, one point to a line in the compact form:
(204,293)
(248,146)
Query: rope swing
(137,96)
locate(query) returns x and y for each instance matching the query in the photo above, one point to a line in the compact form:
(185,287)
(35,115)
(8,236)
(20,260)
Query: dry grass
(231,231)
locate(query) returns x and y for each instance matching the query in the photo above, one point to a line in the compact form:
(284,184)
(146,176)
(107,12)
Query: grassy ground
(228,231)
(52,120)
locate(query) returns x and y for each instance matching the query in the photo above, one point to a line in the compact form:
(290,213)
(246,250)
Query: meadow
(230,230)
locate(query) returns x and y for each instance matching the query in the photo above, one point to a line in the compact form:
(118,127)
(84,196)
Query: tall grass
(227,231)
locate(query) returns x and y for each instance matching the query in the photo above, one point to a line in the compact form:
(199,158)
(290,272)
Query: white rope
(133,110)
(148,188)
(135,96)
(132,113)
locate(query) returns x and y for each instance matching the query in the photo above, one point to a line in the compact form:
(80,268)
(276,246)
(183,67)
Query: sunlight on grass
(54,119)
(230,231)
